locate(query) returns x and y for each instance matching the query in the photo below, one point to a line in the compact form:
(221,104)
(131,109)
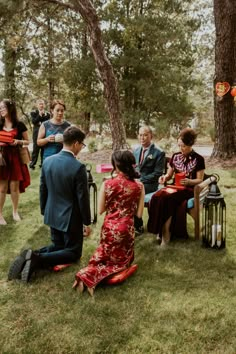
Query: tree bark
(51,64)
(225,71)
(107,76)
(88,13)
(10,61)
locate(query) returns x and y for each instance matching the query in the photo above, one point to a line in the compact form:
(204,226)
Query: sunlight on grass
(181,300)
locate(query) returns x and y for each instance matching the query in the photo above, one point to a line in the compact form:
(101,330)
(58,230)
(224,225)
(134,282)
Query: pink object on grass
(104,167)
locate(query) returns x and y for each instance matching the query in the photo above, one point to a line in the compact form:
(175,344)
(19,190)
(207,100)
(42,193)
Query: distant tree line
(121,61)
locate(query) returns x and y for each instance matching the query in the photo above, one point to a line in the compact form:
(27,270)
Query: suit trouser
(66,248)
(36,148)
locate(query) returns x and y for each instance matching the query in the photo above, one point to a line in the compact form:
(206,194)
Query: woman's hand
(17,142)
(185,182)
(162,179)
(51,138)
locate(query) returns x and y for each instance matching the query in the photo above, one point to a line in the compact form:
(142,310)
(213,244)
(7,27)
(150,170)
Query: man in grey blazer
(150,164)
(64,202)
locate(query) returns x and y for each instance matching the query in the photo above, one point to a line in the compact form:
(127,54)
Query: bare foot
(75,284)
(81,286)
(78,285)
(16,216)
(91,291)
(2,220)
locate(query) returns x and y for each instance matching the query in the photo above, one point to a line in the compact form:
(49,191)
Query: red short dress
(14,170)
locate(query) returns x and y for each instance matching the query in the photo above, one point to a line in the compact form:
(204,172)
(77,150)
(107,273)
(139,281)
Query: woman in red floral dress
(14,175)
(121,197)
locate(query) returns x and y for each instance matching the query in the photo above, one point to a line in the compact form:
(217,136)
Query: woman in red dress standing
(121,197)
(14,176)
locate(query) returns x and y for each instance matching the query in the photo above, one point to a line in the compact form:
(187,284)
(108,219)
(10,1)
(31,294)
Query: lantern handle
(217,177)
(88,167)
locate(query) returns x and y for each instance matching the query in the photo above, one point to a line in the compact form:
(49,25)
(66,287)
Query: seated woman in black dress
(167,209)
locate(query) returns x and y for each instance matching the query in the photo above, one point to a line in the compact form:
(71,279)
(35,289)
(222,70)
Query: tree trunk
(225,71)
(51,65)
(10,60)
(88,13)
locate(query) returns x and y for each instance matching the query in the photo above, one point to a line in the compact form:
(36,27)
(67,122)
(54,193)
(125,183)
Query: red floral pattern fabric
(116,249)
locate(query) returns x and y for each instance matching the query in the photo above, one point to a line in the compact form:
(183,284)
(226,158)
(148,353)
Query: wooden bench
(200,192)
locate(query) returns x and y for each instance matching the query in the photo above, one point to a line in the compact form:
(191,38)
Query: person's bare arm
(193,182)
(101,200)
(140,208)
(42,140)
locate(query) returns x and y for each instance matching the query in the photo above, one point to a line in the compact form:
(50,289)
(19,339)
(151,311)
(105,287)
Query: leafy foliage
(149,43)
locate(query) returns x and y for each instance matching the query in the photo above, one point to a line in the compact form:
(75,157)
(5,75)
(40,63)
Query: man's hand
(87,231)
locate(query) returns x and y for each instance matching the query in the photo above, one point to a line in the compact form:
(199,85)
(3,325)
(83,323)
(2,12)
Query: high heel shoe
(91,291)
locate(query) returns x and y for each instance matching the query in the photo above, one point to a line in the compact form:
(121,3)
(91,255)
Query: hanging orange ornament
(233,91)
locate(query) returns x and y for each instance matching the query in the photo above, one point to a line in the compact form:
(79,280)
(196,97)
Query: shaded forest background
(161,52)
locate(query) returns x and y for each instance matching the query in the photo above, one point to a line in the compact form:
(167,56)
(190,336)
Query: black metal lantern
(214,219)
(92,194)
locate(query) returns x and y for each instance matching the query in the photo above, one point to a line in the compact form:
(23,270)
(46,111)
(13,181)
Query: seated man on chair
(150,164)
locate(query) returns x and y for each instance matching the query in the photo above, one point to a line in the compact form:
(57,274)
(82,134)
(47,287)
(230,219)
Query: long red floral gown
(116,249)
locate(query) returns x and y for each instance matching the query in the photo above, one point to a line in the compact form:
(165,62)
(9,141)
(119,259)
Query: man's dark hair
(73,134)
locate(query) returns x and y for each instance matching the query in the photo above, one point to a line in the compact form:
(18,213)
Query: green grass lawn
(181,300)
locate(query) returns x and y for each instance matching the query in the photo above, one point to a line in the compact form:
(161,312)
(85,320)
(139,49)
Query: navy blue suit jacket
(151,168)
(64,194)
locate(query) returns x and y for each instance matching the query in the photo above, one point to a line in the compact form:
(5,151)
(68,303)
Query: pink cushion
(60,267)
(104,167)
(121,276)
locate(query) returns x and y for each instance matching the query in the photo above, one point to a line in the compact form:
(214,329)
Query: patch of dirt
(223,164)
(101,156)
(104,156)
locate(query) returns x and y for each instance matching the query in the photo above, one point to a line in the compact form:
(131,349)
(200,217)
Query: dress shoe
(30,266)
(139,231)
(18,264)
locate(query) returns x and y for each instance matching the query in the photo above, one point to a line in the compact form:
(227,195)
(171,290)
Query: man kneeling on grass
(64,202)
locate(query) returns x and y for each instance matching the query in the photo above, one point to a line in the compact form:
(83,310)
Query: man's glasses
(83,145)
